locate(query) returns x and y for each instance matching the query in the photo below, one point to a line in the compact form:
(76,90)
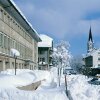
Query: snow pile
(49,88)
(47,91)
(79,87)
(41,75)
(54,73)
(81,90)
(46,41)
(23,77)
(51,94)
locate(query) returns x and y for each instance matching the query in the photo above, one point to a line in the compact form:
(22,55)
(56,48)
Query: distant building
(16,32)
(45,49)
(92,58)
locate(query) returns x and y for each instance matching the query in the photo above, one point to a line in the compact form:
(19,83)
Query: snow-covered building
(45,49)
(92,58)
(17,33)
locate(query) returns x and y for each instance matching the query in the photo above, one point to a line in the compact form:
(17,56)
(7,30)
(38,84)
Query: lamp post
(15,63)
(15,54)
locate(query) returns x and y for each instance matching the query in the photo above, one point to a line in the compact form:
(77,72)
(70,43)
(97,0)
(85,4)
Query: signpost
(66,72)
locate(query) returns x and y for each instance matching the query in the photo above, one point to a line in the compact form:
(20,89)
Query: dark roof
(90,35)
(15,13)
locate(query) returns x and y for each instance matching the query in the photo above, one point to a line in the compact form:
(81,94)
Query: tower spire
(90,45)
(90,35)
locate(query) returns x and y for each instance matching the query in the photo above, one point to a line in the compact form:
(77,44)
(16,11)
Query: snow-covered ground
(23,77)
(48,90)
(81,90)
(78,86)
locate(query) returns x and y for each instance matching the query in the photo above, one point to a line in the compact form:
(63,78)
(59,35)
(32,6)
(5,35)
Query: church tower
(90,44)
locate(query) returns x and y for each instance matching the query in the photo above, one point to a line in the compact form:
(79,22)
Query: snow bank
(23,77)
(37,95)
(78,86)
(81,90)
(47,90)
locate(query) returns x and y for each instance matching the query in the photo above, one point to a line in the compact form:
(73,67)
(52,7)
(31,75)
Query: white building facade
(92,58)
(17,33)
(45,49)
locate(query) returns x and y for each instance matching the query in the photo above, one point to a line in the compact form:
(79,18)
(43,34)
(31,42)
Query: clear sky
(68,20)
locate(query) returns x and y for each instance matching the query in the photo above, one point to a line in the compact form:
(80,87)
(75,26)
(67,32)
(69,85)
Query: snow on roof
(18,9)
(46,41)
(92,53)
(12,1)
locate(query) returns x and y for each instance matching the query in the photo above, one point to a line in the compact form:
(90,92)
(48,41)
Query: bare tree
(61,57)
(77,63)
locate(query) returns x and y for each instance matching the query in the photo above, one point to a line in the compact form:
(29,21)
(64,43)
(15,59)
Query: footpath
(31,87)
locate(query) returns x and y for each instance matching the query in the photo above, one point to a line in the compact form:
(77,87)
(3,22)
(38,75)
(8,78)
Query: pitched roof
(16,13)
(46,41)
(90,35)
(91,53)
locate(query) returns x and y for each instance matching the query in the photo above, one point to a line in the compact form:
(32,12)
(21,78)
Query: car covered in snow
(98,75)
(95,81)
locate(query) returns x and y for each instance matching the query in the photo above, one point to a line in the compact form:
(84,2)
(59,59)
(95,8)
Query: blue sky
(68,20)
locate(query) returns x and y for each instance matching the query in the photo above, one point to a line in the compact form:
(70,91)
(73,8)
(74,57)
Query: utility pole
(15,53)
(66,83)
(15,63)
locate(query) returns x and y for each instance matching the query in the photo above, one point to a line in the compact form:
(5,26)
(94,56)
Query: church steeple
(90,44)
(90,36)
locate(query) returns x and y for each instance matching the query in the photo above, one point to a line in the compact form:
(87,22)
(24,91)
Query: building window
(98,58)
(39,59)
(99,65)
(1,13)
(13,44)
(5,42)
(43,59)
(41,52)
(1,40)
(6,19)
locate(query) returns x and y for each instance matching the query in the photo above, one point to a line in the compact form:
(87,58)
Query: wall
(13,35)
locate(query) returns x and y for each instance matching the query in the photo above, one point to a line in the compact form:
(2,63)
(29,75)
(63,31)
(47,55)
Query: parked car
(95,81)
(98,75)
(73,72)
(69,71)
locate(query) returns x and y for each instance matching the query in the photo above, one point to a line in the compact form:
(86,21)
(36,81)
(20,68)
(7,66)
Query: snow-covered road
(78,86)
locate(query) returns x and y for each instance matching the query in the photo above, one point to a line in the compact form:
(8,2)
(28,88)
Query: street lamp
(15,53)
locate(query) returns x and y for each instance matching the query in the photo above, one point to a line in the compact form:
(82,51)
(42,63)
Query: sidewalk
(30,87)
